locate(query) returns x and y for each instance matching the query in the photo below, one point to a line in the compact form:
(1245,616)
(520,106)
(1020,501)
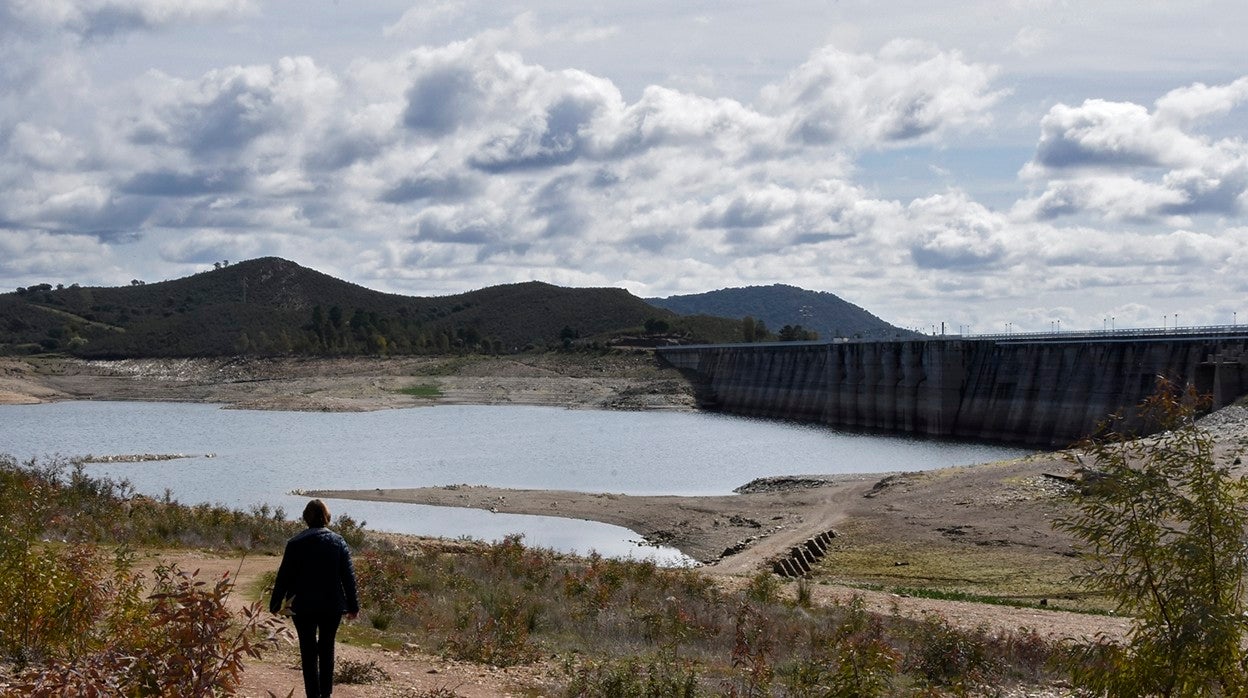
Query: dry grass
(1009,574)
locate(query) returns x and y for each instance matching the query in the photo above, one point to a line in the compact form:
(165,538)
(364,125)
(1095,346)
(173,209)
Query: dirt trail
(409,670)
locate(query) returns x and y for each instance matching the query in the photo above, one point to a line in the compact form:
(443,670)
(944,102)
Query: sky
(991,165)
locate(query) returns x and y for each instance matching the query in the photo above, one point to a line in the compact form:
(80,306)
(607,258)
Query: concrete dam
(1037,390)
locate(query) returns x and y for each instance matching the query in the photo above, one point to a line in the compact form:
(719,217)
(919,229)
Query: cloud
(179,184)
(1115,197)
(1029,41)
(35,254)
(555,136)
(225,112)
(441,98)
(909,92)
(102,19)
(430,187)
(1121,161)
(1187,105)
(419,17)
(956,233)
(44,147)
(208,246)
(1110,134)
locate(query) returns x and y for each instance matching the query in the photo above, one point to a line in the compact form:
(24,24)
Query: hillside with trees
(271,306)
(785,312)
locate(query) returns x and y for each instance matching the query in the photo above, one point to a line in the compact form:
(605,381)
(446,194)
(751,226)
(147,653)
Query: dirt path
(409,670)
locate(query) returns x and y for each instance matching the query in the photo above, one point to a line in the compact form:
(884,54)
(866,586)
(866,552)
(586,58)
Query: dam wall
(1039,392)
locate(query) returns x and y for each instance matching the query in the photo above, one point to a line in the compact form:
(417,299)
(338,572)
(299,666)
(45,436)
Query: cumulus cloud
(1122,161)
(225,113)
(1111,134)
(955,233)
(208,246)
(910,91)
(1186,105)
(465,144)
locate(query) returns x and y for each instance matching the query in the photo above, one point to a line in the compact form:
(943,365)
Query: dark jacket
(317,571)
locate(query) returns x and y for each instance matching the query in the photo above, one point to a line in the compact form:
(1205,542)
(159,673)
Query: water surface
(261,456)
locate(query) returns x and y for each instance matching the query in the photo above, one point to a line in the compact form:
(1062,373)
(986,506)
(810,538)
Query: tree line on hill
(272,306)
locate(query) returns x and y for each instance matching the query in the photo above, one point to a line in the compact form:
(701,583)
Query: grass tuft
(424,390)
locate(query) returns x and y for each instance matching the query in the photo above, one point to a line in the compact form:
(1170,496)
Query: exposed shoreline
(702,527)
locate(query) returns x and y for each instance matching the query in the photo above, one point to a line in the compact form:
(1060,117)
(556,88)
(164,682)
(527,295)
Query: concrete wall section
(1038,392)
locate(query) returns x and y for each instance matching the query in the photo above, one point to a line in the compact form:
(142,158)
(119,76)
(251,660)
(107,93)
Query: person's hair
(316,514)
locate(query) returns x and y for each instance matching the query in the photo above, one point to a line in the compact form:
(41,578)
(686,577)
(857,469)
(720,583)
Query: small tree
(657,326)
(748,329)
(1163,528)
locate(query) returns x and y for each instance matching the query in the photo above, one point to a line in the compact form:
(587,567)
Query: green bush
(852,656)
(633,677)
(1162,528)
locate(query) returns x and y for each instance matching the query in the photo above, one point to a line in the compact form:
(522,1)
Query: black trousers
(316,651)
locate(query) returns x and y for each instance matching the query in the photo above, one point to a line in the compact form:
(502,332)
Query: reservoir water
(243,458)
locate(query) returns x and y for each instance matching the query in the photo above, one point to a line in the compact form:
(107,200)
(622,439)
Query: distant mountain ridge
(272,306)
(780,304)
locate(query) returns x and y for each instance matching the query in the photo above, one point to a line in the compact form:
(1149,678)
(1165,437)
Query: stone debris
(782,483)
(139,457)
(1227,424)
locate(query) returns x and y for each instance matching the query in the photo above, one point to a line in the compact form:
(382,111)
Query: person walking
(318,577)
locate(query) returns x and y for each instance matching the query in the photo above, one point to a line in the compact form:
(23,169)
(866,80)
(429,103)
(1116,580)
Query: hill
(779,305)
(274,306)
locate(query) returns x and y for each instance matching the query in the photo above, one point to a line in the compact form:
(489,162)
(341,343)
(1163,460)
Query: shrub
(764,587)
(62,601)
(187,643)
(386,586)
(75,619)
(753,648)
(852,657)
(946,656)
(1162,528)
(633,677)
(353,671)
(497,632)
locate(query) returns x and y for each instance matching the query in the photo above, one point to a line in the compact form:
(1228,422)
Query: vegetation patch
(354,671)
(1009,576)
(622,627)
(425,390)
